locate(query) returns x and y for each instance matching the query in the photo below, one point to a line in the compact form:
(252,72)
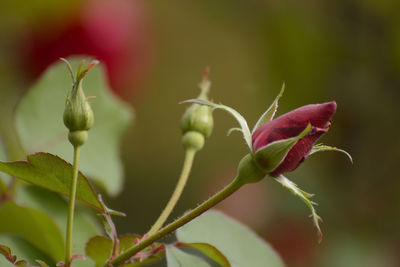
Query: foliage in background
(345,49)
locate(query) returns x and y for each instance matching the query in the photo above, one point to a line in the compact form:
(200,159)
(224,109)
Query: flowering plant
(276,146)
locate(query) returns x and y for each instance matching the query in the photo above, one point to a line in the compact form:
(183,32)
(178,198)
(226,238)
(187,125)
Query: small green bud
(248,170)
(199,118)
(78,114)
(193,140)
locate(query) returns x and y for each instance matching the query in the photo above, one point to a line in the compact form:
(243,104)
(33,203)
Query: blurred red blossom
(114,32)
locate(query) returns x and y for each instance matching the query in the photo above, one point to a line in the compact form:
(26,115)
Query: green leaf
(42,263)
(244,128)
(99,249)
(21,263)
(33,226)
(23,249)
(53,173)
(4,179)
(178,258)
(5,263)
(56,206)
(272,155)
(270,112)
(240,245)
(305,197)
(6,252)
(320,148)
(208,250)
(39,121)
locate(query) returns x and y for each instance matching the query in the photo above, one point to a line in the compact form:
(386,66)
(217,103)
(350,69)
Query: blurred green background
(155,52)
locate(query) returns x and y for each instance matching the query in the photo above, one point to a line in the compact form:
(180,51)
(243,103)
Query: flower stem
(71,207)
(187,166)
(211,202)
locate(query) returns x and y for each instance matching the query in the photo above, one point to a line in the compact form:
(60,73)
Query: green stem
(71,207)
(187,166)
(211,202)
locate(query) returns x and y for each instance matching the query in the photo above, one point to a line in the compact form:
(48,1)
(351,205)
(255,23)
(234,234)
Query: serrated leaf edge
(28,161)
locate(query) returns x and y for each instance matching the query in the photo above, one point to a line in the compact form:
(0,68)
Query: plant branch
(71,207)
(211,202)
(187,166)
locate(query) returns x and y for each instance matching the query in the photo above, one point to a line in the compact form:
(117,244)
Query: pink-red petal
(292,124)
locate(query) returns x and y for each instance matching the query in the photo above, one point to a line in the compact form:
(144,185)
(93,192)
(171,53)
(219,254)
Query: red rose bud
(290,132)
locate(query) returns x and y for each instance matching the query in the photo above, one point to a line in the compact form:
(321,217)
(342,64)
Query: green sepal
(273,154)
(321,147)
(305,197)
(244,128)
(270,113)
(231,130)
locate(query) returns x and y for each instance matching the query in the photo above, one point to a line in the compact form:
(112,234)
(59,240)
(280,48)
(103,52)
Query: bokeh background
(155,52)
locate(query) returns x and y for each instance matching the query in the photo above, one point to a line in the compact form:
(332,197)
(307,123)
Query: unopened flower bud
(78,114)
(198,118)
(290,131)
